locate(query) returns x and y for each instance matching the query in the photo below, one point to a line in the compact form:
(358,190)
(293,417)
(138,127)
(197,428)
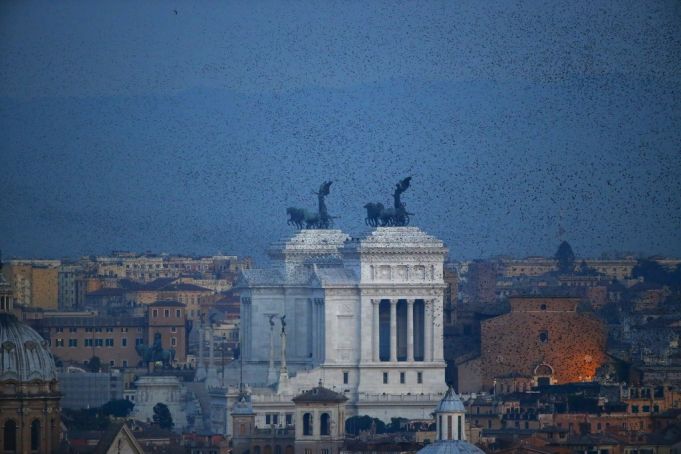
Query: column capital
(375,302)
(394,301)
(410,301)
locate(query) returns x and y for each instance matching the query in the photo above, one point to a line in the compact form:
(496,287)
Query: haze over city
(191,127)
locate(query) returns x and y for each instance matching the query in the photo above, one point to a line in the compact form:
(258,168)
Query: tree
(396,424)
(356,424)
(94,364)
(162,416)
(119,408)
(565,257)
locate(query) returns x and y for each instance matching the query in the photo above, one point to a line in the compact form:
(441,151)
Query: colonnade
(425,332)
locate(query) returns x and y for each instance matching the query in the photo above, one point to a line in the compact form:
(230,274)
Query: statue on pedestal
(155,352)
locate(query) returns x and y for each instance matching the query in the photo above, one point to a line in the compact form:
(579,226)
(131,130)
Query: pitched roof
(167,303)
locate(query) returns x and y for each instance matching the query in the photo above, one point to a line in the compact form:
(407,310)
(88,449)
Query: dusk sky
(189,127)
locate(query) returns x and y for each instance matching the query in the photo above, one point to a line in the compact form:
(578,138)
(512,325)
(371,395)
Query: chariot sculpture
(378,215)
(304,219)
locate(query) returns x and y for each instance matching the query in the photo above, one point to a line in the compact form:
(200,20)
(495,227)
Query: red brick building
(545,340)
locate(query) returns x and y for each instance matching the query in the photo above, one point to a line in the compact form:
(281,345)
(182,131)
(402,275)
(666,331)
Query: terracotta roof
(319,394)
(167,303)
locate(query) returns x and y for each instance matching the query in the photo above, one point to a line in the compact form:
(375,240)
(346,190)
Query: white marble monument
(364,316)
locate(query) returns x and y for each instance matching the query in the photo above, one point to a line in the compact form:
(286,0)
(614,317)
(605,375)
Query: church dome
(24,355)
(451,403)
(451,447)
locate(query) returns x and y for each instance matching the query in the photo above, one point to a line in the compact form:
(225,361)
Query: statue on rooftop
(378,215)
(302,218)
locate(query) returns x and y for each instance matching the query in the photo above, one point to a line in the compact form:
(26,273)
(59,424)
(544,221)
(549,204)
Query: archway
(543,375)
(35,435)
(307,424)
(10,436)
(325,424)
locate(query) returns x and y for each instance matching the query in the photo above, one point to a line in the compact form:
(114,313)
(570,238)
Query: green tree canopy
(119,408)
(565,257)
(94,364)
(162,416)
(356,424)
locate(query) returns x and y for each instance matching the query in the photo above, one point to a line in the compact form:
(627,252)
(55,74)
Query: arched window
(277,449)
(325,424)
(10,436)
(307,424)
(35,435)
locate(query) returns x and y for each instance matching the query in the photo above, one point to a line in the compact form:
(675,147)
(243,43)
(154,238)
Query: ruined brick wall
(542,330)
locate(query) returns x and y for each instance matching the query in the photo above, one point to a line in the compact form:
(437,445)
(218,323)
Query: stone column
(410,330)
(271,373)
(314,331)
(393,330)
(200,363)
(376,327)
(428,330)
(211,349)
(438,320)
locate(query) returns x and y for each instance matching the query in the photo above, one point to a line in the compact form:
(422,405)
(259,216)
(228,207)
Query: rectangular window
(109,330)
(289,419)
(59,342)
(99,342)
(268,419)
(88,342)
(139,341)
(173,342)
(88,330)
(173,329)
(346,377)
(73,330)
(177,313)
(73,342)
(125,363)
(385,378)
(166,313)
(419,377)
(646,409)
(124,330)
(109,342)
(402,378)
(634,408)
(98,330)
(112,363)
(124,342)
(60,330)
(154,312)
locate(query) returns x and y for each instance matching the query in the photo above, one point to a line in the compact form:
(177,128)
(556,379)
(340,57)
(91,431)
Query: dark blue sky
(126,125)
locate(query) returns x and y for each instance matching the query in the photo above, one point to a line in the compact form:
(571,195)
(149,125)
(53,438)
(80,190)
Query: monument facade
(364,316)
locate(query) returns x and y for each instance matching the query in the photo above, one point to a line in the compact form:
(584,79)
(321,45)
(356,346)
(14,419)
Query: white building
(364,316)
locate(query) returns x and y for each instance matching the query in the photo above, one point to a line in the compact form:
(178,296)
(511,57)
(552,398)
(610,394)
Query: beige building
(113,340)
(35,282)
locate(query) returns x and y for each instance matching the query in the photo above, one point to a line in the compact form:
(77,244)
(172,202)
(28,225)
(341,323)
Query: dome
(23,353)
(450,403)
(451,447)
